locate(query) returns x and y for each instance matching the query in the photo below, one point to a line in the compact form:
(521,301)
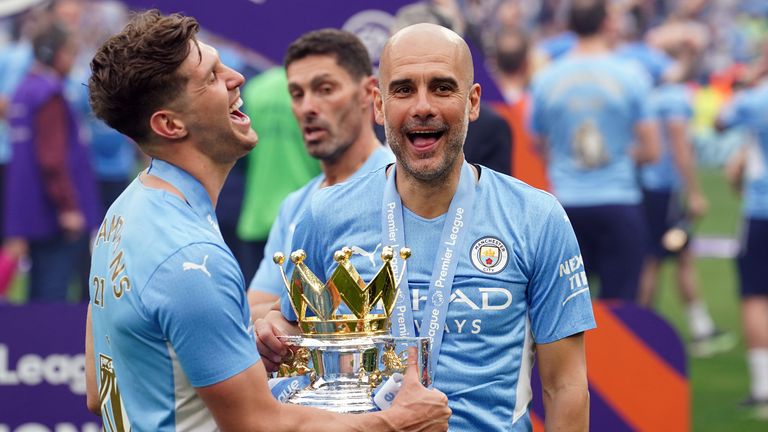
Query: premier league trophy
(345,350)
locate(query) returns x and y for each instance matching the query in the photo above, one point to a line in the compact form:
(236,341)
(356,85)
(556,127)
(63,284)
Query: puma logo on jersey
(369,255)
(193,266)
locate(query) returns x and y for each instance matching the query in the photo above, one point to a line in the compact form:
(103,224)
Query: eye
(443,89)
(326,89)
(213,77)
(402,91)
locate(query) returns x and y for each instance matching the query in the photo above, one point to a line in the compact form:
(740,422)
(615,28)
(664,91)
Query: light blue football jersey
(669,103)
(168,305)
(533,290)
(267,278)
(587,107)
(750,110)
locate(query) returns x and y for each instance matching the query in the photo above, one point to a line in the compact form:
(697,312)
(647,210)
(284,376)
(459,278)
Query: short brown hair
(349,51)
(135,72)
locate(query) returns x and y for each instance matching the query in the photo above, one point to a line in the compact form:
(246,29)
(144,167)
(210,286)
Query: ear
(474,102)
(378,108)
(368,84)
(168,125)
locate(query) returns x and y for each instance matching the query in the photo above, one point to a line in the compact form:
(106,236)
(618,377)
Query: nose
(305,106)
(234,78)
(423,108)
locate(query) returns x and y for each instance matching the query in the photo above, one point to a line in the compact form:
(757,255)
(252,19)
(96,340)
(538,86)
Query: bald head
(428,42)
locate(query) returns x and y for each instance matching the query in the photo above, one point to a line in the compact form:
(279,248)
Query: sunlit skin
(426,99)
(200,131)
(205,107)
(328,104)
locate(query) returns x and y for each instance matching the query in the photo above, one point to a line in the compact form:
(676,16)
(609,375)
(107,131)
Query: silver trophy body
(344,372)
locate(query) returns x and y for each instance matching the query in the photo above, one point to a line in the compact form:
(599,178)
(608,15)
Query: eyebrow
(444,80)
(320,79)
(432,82)
(397,83)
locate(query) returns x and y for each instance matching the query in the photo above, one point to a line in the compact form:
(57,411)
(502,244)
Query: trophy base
(340,396)
(344,372)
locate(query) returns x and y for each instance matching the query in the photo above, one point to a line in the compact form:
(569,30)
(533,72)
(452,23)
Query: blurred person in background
(15,60)
(673,202)
(591,115)
(50,193)
(278,166)
(748,172)
(330,82)
(512,60)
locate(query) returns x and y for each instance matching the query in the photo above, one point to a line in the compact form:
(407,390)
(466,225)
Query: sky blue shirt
(670,103)
(168,304)
(750,110)
(267,278)
(534,292)
(587,107)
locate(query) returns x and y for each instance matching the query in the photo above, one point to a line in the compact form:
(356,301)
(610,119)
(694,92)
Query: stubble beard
(454,143)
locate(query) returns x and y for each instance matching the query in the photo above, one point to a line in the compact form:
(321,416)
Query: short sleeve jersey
(748,110)
(670,103)
(535,291)
(168,306)
(267,278)
(586,107)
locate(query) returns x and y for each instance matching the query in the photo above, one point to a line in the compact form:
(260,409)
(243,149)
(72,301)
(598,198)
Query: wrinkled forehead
(416,52)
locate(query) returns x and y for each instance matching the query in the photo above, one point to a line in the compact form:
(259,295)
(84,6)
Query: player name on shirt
(111,233)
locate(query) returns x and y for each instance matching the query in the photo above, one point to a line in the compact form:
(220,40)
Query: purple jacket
(28,210)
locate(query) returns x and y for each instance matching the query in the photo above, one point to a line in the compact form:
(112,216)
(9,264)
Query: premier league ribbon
(451,244)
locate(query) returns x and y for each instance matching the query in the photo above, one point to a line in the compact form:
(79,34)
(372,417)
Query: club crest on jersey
(489,255)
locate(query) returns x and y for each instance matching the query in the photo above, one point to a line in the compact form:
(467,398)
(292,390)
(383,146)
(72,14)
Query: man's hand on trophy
(417,408)
(271,349)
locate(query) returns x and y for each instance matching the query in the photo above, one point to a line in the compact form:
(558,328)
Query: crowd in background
(60,168)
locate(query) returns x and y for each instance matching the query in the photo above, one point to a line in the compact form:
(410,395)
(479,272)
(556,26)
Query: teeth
(235,105)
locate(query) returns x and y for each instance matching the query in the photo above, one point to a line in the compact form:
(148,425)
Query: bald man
(494,260)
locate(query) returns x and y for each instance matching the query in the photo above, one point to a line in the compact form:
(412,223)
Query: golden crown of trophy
(345,355)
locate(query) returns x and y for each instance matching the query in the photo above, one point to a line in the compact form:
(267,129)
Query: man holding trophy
(493,269)
(169,345)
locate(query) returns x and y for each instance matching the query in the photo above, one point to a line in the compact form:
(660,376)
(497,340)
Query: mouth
(313,133)
(236,116)
(424,140)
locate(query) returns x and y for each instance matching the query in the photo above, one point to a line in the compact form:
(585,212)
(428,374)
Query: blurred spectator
(749,172)
(50,194)
(673,201)
(15,60)
(589,108)
(512,60)
(276,167)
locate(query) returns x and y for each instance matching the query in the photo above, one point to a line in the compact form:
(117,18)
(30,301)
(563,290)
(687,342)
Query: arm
(648,148)
(682,152)
(244,403)
(91,387)
(734,168)
(261,303)
(51,149)
(563,373)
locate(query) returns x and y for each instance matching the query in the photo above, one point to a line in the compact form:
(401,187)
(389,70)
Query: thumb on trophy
(412,367)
